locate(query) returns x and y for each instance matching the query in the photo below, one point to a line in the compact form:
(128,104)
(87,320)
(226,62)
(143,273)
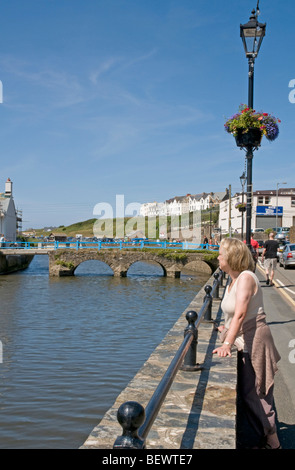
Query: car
(282,244)
(287,258)
(280,236)
(281,230)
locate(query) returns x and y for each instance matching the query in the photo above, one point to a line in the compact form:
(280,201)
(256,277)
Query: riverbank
(14,263)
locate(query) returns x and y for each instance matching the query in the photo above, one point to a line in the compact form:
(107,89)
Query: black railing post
(131,416)
(216,291)
(189,363)
(208,298)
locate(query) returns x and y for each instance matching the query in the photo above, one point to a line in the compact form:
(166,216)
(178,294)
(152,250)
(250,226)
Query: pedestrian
(269,255)
(254,245)
(246,328)
(2,240)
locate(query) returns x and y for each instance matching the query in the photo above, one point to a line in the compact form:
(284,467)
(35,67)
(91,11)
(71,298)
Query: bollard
(189,363)
(131,416)
(216,292)
(208,297)
(221,273)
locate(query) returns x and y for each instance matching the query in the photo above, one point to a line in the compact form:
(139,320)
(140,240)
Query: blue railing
(99,245)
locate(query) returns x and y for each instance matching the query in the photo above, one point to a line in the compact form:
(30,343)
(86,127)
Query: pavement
(280,315)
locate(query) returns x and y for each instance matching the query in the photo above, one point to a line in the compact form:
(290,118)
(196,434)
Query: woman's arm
(245,290)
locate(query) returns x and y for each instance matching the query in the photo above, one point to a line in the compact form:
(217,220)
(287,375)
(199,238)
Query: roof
(271,192)
(54,234)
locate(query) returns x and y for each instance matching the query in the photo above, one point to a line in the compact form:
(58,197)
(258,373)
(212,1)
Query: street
(279,303)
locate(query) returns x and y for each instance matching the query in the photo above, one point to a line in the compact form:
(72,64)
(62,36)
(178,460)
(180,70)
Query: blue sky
(129,97)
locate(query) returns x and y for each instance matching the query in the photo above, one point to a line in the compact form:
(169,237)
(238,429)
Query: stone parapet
(199,411)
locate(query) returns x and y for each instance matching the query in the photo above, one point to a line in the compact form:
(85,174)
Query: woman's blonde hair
(237,255)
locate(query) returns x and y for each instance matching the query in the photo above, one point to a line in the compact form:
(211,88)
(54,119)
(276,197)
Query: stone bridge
(64,262)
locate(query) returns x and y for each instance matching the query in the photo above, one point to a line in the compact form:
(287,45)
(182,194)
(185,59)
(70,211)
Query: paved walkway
(280,311)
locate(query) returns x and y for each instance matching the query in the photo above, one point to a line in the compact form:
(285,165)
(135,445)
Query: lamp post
(252,34)
(277,205)
(210,206)
(243,182)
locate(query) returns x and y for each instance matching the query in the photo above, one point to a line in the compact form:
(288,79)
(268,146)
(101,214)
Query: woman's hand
(220,328)
(223,351)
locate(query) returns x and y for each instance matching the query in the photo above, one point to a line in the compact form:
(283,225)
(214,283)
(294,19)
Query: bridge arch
(147,261)
(93,266)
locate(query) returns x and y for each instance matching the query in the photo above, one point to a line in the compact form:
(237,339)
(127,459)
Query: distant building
(152,209)
(270,209)
(8,215)
(57,237)
(180,205)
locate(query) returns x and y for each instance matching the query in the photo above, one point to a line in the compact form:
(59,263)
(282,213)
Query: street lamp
(210,206)
(277,205)
(252,34)
(243,180)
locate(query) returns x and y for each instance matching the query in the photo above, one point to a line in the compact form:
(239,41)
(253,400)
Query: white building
(270,209)
(152,209)
(8,215)
(180,205)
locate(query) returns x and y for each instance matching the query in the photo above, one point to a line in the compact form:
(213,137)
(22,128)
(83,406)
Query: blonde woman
(246,328)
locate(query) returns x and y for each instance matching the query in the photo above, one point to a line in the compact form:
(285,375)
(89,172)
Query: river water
(71,345)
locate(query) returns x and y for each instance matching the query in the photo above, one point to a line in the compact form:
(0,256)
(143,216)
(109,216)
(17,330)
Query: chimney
(8,187)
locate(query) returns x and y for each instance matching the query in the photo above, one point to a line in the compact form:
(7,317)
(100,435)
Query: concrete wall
(199,411)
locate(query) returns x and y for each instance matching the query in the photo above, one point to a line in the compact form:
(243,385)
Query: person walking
(254,249)
(269,256)
(246,328)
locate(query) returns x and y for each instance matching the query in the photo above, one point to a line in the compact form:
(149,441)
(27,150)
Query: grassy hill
(86,228)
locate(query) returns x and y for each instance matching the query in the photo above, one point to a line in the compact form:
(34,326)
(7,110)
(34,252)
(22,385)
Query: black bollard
(189,363)
(208,297)
(222,276)
(131,416)
(216,292)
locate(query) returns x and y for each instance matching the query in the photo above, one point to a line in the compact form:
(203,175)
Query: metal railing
(135,420)
(100,244)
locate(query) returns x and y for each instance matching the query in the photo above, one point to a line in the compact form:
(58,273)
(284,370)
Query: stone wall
(13,263)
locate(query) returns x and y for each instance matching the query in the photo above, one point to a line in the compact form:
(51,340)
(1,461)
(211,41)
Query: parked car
(281,236)
(282,231)
(287,258)
(282,244)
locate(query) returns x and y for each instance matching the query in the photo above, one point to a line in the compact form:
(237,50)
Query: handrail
(136,421)
(100,244)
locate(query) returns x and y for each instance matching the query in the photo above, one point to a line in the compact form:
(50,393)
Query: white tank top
(228,305)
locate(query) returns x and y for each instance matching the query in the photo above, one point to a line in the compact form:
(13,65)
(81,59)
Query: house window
(293,201)
(260,200)
(267,200)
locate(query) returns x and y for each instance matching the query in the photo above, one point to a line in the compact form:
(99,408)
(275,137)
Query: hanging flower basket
(241,206)
(248,127)
(248,137)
